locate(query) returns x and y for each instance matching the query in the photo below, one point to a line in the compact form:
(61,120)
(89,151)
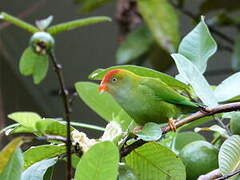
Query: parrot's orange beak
(102,87)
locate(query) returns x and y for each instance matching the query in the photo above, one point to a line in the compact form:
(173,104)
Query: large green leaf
(76,24)
(162,21)
(100,162)
(154,161)
(195,123)
(52,127)
(228,89)
(102,104)
(141,71)
(11,161)
(236,55)
(33,64)
(37,170)
(39,153)
(13,168)
(185,138)
(150,132)
(26,119)
(135,45)
(195,78)
(198,46)
(229,156)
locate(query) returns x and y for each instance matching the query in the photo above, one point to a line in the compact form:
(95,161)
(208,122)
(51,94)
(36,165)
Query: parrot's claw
(172,125)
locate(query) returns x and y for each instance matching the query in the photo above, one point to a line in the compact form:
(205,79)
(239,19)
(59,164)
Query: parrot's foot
(172,125)
(137,129)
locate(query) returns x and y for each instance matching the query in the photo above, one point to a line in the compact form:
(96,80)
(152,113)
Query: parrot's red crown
(106,79)
(109,75)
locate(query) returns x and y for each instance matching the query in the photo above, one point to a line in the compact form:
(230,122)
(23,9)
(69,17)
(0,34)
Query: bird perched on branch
(146,99)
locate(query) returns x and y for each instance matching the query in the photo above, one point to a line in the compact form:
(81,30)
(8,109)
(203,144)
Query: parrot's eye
(114,79)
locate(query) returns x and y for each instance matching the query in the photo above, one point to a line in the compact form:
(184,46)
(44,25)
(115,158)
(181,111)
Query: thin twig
(64,93)
(200,114)
(229,175)
(219,121)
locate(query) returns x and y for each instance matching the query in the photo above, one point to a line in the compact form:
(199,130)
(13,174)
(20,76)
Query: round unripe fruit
(199,157)
(235,125)
(42,42)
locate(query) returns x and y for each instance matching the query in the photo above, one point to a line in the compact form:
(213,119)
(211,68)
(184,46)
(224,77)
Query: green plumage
(147,99)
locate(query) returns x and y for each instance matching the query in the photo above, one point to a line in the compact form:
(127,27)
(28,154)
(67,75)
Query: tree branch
(64,93)
(229,175)
(195,116)
(211,175)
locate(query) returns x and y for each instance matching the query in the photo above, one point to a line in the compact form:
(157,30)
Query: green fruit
(235,124)
(42,42)
(199,157)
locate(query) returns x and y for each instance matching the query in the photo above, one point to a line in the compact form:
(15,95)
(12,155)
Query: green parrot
(146,99)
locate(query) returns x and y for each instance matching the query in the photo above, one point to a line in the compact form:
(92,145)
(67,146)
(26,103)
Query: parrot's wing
(165,93)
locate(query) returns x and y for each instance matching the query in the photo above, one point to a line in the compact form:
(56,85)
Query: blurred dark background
(80,51)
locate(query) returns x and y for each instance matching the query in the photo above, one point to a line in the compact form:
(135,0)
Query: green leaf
(195,78)
(52,127)
(9,128)
(37,170)
(44,23)
(13,168)
(141,71)
(40,69)
(198,46)
(90,5)
(103,104)
(236,55)
(150,132)
(39,153)
(162,21)
(125,172)
(195,123)
(229,156)
(154,161)
(95,164)
(28,27)
(135,45)
(234,122)
(76,24)
(7,156)
(33,64)
(20,129)
(26,119)
(228,89)
(185,138)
